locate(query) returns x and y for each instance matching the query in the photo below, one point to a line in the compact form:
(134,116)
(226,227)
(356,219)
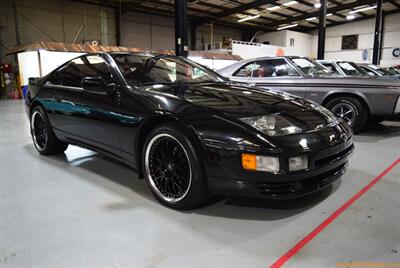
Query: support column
(321,30)
(376,53)
(181,31)
(118,22)
(16,26)
(193,35)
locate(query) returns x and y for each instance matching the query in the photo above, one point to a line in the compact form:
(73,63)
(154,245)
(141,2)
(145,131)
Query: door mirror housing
(95,84)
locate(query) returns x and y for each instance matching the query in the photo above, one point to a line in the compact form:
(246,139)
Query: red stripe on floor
(282,260)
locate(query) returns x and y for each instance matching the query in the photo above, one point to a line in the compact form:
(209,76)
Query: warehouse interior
(84,208)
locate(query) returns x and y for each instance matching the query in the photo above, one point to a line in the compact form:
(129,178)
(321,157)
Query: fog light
(298,163)
(260,163)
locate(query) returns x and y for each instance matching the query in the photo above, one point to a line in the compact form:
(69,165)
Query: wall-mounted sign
(365,54)
(396,52)
(350,41)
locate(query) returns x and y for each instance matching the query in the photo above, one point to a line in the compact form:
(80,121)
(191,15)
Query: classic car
(374,70)
(343,68)
(393,70)
(189,132)
(357,100)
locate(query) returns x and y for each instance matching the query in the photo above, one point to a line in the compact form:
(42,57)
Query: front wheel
(351,110)
(173,169)
(45,141)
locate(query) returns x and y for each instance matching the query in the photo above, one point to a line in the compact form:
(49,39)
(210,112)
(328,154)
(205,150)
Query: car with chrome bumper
(357,100)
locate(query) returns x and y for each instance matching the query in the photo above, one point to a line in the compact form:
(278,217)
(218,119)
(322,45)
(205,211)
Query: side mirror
(95,84)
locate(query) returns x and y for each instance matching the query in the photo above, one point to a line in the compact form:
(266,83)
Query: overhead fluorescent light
(249,18)
(362,9)
(312,18)
(329,14)
(273,8)
(287,27)
(350,17)
(290,3)
(317,5)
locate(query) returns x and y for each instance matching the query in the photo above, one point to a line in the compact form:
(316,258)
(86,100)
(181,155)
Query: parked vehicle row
(348,68)
(351,96)
(192,133)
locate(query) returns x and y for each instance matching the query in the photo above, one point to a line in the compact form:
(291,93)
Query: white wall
(302,42)
(301,46)
(273,38)
(248,50)
(365,31)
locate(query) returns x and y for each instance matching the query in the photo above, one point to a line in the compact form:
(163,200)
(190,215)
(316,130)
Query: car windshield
(350,68)
(311,68)
(148,69)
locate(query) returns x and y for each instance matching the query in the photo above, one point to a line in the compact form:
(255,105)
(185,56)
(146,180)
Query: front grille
(281,190)
(323,161)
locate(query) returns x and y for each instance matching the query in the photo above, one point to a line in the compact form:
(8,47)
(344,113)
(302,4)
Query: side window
(328,65)
(245,71)
(131,67)
(86,66)
(273,68)
(54,78)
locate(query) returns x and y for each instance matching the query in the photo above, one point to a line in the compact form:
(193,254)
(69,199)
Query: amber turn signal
(249,161)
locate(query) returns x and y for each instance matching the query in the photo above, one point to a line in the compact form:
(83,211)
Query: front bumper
(325,167)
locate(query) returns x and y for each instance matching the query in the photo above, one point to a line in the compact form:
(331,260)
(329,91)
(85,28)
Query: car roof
(273,58)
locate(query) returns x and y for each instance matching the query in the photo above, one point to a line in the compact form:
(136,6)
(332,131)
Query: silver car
(374,70)
(344,68)
(357,100)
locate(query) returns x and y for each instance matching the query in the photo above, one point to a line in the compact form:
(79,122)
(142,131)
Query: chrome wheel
(345,111)
(168,168)
(39,130)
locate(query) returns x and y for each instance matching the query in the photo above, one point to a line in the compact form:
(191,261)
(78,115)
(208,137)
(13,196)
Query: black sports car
(187,130)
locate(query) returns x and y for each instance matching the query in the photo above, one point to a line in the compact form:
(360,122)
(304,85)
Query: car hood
(239,101)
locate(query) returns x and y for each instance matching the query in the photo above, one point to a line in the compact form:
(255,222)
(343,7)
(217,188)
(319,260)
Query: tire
(43,137)
(172,168)
(359,113)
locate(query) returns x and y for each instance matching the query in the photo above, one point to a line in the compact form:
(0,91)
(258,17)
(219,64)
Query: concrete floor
(83,210)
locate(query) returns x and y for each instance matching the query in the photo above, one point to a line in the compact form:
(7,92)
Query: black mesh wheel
(173,168)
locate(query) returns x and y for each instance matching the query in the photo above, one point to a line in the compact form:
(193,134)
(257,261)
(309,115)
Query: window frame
(108,66)
(287,63)
(243,66)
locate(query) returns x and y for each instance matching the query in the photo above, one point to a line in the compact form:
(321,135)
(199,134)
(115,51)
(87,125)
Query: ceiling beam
(385,13)
(241,8)
(393,2)
(329,10)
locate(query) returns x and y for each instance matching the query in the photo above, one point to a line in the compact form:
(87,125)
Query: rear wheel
(43,137)
(351,110)
(173,169)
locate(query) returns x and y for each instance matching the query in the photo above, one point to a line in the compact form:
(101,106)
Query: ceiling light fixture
(350,17)
(362,9)
(249,18)
(273,8)
(329,14)
(287,26)
(290,3)
(317,5)
(312,18)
